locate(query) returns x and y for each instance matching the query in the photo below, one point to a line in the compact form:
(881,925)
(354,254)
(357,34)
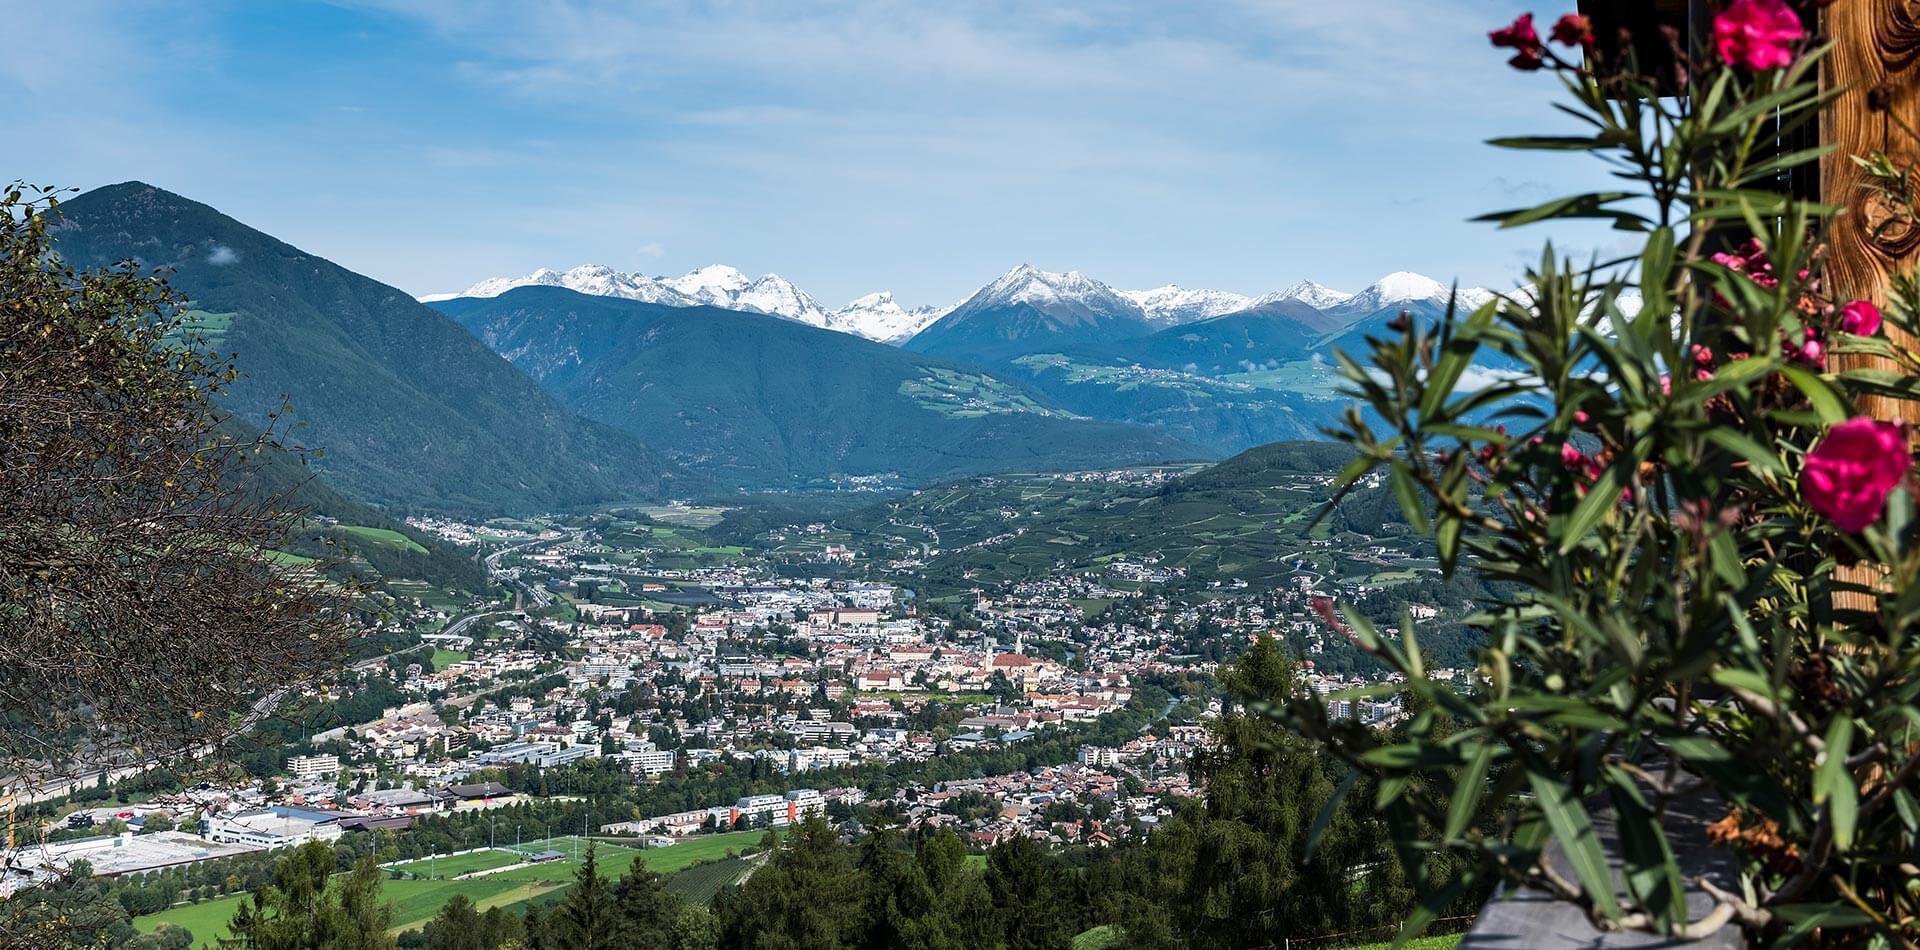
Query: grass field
(457,865)
(1442,942)
(1109,935)
(384,536)
(206,920)
(1099,938)
(416,901)
(445,658)
(435,597)
(689,515)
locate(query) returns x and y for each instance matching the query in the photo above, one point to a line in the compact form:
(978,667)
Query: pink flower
(1860,318)
(1519,34)
(1848,476)
(1751,260)
(1813,353)
(1570,456)
(1756,34)
(1573,30)
(1523,39)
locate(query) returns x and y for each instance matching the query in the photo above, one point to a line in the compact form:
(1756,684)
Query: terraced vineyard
(701,882)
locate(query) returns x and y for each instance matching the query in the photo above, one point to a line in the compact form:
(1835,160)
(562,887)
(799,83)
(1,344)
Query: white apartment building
(313,766)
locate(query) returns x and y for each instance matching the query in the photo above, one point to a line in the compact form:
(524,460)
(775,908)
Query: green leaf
(1592,205)
(1826,402)
(1467,791)
(1753,452)
(1574,830)
(1833,763)
(1844,806)
(1601,498)
(1568,143)
(1447,540)
(1653,876)
(1454,359)
(1408,494)
(1748,680)
(1778,163)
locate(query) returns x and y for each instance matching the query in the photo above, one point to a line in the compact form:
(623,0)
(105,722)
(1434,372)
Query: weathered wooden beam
(1876,62)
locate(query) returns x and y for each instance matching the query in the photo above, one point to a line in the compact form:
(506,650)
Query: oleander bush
(1685,484)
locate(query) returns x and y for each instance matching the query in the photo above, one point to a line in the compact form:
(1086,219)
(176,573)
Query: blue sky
(851,147)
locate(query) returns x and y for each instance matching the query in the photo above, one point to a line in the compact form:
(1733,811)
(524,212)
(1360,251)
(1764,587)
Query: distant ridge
(410,410)
(765,402)
(880,317)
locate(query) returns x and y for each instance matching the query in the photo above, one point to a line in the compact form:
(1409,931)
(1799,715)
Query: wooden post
(1876,60)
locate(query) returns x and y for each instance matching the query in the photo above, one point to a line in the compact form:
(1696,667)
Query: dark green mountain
(409,409)
(1032,311)
(1226,383)
(1237,342)
(353,535)
(762,401)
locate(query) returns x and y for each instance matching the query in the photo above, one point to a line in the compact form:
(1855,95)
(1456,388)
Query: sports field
(416,901)
(457,865)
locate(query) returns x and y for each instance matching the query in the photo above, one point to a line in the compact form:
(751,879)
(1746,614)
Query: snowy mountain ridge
(1172,304)
(880,317)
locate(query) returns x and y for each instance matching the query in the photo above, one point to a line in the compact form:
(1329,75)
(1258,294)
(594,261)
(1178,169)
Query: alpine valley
(590,386)
(1218,371)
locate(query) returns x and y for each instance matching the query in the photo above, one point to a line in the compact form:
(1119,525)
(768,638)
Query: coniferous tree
(807,895)
(1028,894)
(1231,870)
(585,920)
(307,905)
(898,902)
(647,912)
(962,914)
(457,927)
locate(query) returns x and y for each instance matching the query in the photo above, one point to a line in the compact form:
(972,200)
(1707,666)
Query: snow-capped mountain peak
(1071,292)
(879,317)
(1407,287)
(1316,295)
(712,284)
(777,296)
(1172,304)
(596,279)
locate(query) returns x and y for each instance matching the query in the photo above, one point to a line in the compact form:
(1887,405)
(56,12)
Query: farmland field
(384,536)
(689,515)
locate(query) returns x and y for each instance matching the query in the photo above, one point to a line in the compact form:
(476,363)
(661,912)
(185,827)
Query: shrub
(1704,556)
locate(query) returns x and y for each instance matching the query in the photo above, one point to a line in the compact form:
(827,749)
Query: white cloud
(222,255)
(653,249)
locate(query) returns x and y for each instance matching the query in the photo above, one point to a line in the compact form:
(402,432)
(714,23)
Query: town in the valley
(938,661)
